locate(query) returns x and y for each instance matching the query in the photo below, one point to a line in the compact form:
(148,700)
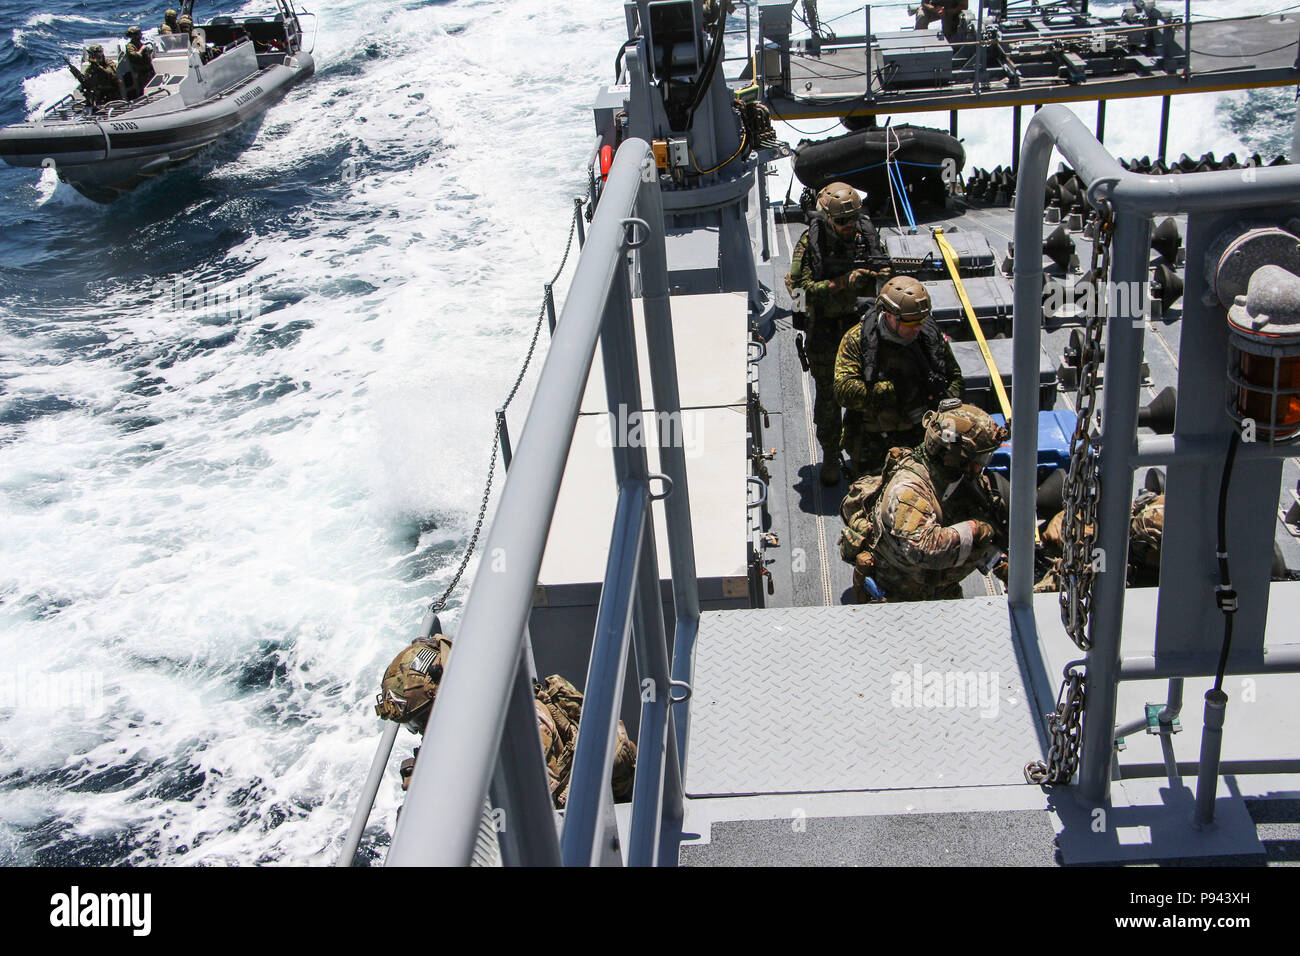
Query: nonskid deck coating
(819,699)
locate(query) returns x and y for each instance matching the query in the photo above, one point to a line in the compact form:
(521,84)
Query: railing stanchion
(550,307)
(582,232)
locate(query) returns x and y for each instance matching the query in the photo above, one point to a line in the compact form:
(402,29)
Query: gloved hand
(884,391)
(860,279)
(981,535)
(864,562)
(840,283)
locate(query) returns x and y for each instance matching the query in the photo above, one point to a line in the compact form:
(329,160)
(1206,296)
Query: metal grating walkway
(888,696)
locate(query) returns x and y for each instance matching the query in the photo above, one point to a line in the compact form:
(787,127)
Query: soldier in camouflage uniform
(937,517)
(891,368)
(825,281)
(1145,531)
(140,57)
(410,687)
(102,83)
(169,24)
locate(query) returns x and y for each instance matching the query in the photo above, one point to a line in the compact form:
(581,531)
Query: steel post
(503,431)
(550,307)
(588,815)
(1101,121)
(1164,126)
(368,792)
(1125,327)
(1015,139)
(577,211)
(526,828)
(439,823)
(1207,771)
(662,353)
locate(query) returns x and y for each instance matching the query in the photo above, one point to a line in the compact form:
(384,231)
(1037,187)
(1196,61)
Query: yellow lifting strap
(950,260)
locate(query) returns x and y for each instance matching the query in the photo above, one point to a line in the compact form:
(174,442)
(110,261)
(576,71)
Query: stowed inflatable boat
(230,72)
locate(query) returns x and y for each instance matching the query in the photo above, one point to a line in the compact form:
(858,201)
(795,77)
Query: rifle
(81,78)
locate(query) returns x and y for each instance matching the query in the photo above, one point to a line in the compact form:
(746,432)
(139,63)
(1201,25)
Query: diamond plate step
(874,697)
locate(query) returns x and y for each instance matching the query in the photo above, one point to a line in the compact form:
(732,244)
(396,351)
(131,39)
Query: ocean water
(246,412)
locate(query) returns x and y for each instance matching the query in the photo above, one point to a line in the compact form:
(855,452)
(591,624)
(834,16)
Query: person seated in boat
(838,259)
(410,686)
(949,11)
(140,56)
(169,24)
(1145,532)
(892,367)
(933,516)
(102,83)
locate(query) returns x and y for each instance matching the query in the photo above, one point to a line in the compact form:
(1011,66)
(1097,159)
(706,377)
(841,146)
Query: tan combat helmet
(411,682)
(839,202)
(906,298)
(133,32)
(961,437)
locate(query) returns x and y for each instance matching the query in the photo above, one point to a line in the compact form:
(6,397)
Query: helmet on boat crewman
(133,32)
(95,52)
(169,15)
(839,202)
(960,437)
(906,298)
(411,682)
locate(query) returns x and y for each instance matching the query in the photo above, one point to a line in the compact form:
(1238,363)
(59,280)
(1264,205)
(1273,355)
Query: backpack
(858,506)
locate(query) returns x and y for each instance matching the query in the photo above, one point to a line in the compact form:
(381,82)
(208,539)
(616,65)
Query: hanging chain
(1082,491)
(1065,728)
(1081,494)
(439,604)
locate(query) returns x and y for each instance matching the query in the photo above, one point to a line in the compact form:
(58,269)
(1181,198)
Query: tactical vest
(827,260)
(927,351)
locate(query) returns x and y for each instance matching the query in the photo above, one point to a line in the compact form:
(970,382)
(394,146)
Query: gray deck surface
(796,700)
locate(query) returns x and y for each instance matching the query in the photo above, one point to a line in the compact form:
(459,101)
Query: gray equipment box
(913,56)
(991,298)
(979,387)
(919,256)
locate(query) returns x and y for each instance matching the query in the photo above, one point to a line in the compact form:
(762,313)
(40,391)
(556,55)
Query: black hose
(703,81)
(1224,595)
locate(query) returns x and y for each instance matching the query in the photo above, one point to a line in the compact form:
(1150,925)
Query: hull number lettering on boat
(243,98)
(123,127)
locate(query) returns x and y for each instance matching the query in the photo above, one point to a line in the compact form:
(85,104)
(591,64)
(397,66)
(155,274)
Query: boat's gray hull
(105,157)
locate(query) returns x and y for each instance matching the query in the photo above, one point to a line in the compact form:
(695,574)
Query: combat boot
(831,469)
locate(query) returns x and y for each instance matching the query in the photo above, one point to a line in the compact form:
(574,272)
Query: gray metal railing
(482,734)
(1132,199)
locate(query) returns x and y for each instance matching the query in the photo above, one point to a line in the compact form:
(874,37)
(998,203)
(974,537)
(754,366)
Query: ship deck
(813,740)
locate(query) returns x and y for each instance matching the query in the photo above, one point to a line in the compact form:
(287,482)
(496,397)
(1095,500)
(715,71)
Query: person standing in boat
(140,57)
(891,368)
(102,83)
(834,262)
(949,11)
(169,24)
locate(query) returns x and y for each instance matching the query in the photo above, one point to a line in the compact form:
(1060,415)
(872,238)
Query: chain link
(1081,494)
(1065,727)
(439,604)
(1082,488)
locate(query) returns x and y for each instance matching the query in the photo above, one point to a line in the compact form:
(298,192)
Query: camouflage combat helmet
(133,32)
(94,52)
(906,298)
(169,15)
(411,682)
(185,20)
(961,437)
(839,202)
